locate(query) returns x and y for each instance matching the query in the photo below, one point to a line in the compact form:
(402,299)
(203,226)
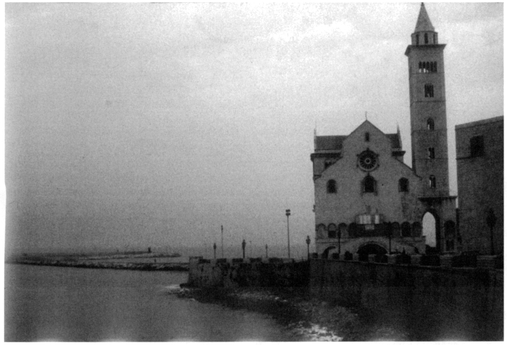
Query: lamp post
(222,228)
(491,221)
(287,213)
(243,245)
(214,250)
(308,246)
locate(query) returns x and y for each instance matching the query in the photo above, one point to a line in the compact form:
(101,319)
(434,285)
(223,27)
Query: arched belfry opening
(431,231)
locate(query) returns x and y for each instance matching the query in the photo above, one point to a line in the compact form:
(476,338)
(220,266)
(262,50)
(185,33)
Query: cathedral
(367,200)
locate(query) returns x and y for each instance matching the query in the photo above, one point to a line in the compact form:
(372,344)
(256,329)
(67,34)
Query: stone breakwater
(125,263)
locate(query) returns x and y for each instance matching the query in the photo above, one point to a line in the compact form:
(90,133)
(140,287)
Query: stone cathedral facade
(367,200)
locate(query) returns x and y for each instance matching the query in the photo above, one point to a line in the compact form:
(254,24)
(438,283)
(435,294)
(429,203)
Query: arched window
(428,90)
(406,229)
(369,185)
(342,230)
(430,124)
(433,181)
(331,231)
(367,136)
(321,229)
(331,187)
(396,229)
(426,38)
(417,39)
(431,153)
(416,229)
(403,185)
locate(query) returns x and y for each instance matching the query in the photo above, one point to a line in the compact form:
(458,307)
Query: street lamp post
(243,245)
(287,213)
(214,250)
(222,228)
(491,221)
(308,246)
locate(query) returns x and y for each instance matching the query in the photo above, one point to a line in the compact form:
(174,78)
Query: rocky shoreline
(306,318)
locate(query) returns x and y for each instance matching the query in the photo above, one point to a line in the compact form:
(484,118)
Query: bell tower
(428,123)
(428,120)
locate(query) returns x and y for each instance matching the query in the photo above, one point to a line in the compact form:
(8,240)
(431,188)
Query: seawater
(45,303)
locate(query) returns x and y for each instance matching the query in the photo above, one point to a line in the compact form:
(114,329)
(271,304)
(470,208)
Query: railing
(449,261)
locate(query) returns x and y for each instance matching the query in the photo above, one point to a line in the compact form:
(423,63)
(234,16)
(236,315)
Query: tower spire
(423,21)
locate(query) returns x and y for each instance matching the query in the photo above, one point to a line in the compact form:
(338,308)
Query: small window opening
(331,187)
(431,153)
(477,146)
(433,181)
(367,136)
(430,124)
(426,38)
(331,231)
(369,184)
(428,90)
(417,39)
(403,185)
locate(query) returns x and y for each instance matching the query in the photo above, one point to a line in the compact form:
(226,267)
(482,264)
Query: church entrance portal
(369,249)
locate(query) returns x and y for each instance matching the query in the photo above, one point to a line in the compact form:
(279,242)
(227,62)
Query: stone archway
(325,253)
(370,248)
(431,230)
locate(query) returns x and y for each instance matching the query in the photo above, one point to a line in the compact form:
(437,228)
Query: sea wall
(230,273)
(450,303)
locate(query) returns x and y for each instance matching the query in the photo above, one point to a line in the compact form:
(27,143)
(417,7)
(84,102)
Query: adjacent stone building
(479,154)
(367,200)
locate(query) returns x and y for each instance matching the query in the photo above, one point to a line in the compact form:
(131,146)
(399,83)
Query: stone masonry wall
(231,273)
(480,185)
(450,303)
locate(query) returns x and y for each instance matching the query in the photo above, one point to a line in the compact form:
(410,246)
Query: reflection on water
(73,304)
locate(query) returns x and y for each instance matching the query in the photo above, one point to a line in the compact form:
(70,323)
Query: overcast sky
(153,124)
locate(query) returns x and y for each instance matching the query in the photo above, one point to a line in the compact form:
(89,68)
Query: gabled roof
(335,142)
(423,21)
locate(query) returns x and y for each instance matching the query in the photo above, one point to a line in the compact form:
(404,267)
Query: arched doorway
(370,248)
(431,231)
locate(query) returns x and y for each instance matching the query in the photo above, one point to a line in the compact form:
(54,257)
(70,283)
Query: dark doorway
(369,249)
